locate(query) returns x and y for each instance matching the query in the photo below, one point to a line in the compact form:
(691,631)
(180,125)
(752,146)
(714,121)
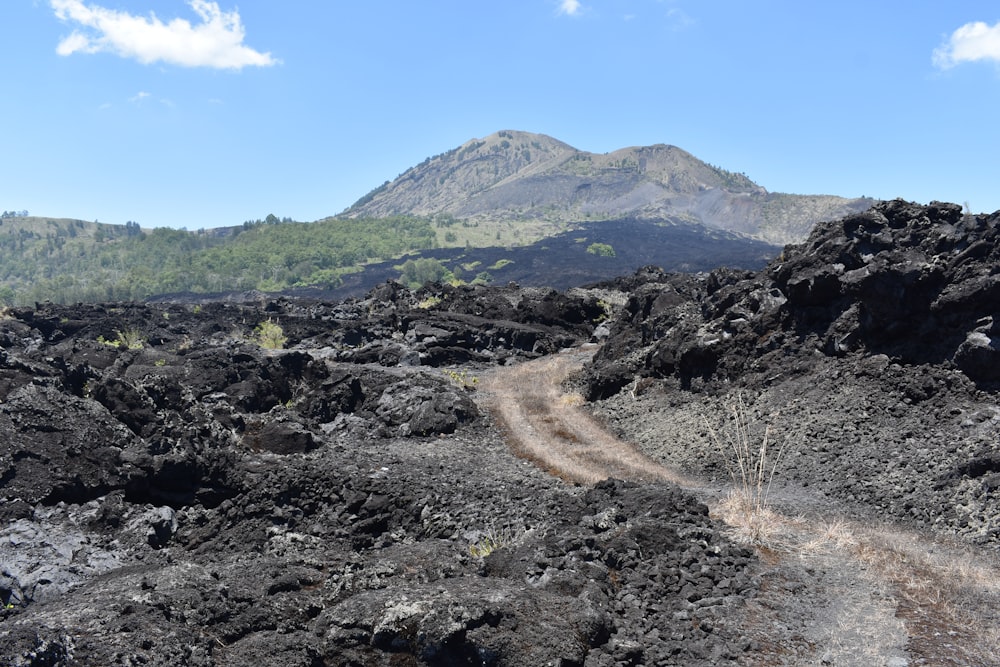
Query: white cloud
(972,42)
(216,41)
(569,7)
(138,97)
(679,19)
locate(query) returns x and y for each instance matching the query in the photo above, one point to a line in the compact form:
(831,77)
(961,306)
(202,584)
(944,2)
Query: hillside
(513,193)
(540,182)
(65,261)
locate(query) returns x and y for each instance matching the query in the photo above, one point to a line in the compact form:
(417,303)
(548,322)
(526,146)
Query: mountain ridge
(513,175)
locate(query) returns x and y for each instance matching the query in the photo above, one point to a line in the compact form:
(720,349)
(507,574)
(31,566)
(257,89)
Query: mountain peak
(516,176)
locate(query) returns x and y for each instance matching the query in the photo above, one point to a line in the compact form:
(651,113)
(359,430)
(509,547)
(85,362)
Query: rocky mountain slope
(527,177)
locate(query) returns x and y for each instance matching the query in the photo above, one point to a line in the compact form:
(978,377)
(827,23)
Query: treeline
(69,261)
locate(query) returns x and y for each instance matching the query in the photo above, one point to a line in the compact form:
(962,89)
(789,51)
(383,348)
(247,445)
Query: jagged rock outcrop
(872,347)
(915,283)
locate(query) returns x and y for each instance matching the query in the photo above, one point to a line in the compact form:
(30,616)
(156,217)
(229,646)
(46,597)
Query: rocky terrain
(302,482)
(174,492)
(872,348)
(533,179)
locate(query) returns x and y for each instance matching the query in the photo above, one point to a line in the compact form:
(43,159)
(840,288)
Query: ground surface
(178,488)
(174,492)
(838,586)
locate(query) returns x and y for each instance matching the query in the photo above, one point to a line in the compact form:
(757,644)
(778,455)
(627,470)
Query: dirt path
(549,427)
(834,592)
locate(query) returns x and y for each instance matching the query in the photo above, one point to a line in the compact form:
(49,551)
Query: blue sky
(193,113)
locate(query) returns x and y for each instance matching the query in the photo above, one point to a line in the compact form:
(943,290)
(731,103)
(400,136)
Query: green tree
(601,250)
(418,272)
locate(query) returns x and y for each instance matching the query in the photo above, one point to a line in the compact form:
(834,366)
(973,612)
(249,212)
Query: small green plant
(608,311)
(462,379)
(429,302)
(270,335)
(499,264)
(160,363)
(601,250)
(483,278)
(130,339)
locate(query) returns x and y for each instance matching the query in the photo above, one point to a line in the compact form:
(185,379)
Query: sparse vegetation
(752,462)
(269,335)
(492,539)
(129,339)
(608,309)
(601,250)
(462,378)
(429,302)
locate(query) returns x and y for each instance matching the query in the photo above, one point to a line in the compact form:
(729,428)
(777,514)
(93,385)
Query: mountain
(534,180)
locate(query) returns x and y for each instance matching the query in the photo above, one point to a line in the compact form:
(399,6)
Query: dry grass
(947,596)
(493,538)
(752,464)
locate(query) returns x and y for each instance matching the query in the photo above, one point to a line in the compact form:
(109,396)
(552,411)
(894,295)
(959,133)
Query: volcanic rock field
(178,487)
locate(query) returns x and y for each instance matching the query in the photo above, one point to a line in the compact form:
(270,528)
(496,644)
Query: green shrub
(130,339)
(601,250)
(270,335)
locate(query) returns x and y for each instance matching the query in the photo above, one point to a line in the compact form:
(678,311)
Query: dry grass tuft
(752,464)
(493,538)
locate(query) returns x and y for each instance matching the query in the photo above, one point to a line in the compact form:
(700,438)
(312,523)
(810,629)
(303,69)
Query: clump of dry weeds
(752,462)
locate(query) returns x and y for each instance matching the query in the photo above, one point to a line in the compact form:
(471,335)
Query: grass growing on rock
(752,462)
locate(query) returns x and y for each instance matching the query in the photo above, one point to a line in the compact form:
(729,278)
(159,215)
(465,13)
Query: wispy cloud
(970,43)
(679,19)
(138,97)
(570,7)
(215,41)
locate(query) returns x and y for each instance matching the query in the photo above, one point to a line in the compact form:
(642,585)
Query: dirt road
(834,591)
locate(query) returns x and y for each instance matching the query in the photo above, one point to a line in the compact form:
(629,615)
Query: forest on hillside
(67,261)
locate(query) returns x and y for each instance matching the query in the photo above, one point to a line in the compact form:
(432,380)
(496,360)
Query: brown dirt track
(834,591)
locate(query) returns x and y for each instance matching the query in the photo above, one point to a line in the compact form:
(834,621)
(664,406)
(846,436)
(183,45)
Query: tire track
(548,426)
(868,594)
